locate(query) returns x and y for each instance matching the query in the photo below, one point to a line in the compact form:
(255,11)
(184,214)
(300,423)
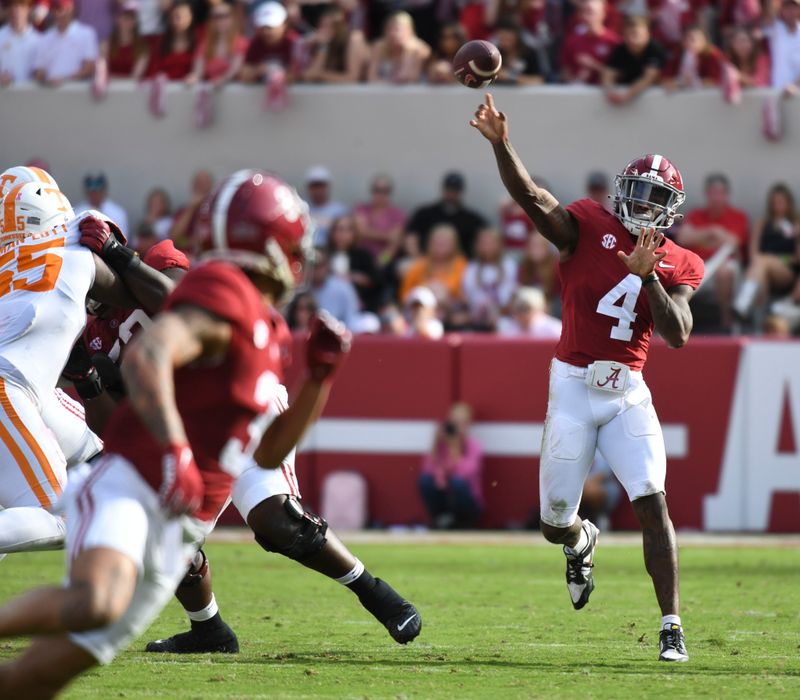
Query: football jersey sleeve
(221,288)
(690,271)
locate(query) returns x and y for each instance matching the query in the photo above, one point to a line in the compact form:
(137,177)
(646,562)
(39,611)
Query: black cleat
(673,644)
(221,640)
(406,625)
(394,612)
(580,582)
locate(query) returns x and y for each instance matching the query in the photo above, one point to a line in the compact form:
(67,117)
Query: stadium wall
(729,409)
(414,133)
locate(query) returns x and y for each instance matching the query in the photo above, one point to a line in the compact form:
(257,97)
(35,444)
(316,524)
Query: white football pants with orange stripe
(33,472)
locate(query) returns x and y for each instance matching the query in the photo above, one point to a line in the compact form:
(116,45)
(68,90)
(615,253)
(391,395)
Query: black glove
(109,372)
(81,372)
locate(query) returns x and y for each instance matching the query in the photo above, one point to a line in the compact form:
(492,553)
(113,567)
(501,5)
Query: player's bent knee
(282,525)
(197,571)
(555,535)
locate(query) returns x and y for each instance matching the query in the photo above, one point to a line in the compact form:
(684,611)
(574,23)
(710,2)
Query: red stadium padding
(729,408)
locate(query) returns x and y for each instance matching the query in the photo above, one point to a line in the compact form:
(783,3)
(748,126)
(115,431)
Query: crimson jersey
(606,315)
(222,404)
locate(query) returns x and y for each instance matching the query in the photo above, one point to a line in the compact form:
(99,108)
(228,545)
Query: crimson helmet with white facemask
(258,222)
(648,194)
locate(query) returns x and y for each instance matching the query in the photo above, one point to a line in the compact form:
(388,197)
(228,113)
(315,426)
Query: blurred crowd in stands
(625,46)
(443,267)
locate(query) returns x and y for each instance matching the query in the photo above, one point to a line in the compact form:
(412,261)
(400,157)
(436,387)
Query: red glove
(328,342)
(95,233)
(182,486)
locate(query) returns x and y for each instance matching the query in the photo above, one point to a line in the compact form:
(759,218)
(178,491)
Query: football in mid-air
(477,63)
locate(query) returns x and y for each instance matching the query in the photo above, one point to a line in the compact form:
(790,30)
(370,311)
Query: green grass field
(497,624)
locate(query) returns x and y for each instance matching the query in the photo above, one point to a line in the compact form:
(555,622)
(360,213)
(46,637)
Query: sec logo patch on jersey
(609,241)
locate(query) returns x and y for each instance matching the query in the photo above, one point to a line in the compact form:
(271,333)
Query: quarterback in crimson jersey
(620,280)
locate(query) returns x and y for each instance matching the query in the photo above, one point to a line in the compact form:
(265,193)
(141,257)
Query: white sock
(668,620)
(27,529)
(353,574)
(206,613)
(582,542)
(746,297)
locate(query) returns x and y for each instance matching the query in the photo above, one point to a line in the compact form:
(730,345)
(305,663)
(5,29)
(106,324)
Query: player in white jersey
(46,276)
(63,416)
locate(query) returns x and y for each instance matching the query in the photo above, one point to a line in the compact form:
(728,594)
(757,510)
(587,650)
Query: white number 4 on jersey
(628,290)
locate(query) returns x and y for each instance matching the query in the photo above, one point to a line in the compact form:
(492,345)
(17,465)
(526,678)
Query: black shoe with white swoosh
(580,582)
(672,644)
(394,612)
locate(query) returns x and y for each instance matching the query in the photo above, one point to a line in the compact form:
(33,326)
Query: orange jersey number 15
(30,258)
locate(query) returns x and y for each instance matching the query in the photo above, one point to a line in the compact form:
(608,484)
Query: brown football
(476,64)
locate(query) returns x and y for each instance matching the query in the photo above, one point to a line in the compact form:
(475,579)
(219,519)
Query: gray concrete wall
(414,133)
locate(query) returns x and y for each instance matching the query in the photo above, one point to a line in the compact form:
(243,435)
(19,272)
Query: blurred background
(138,107)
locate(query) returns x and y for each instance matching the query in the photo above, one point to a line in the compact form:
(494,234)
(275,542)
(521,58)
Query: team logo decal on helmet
(30,208)
(648,194)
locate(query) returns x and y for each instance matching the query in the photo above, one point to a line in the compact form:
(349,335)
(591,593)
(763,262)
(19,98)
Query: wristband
(121,259)
(91,387)
(652,277)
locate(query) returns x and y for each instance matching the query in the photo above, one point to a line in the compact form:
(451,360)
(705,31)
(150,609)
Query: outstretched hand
(491,123)
(644,257)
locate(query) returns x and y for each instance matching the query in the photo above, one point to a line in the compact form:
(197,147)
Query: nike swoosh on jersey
(400,628)
(661,263)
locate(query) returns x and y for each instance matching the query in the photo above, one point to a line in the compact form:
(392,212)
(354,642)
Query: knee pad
(197,571)
(300,534)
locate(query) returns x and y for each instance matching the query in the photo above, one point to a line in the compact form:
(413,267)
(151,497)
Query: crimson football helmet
(258,222)
(648,194)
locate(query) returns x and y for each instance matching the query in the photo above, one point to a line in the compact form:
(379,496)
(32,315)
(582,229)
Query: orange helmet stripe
(10,209)
(42,175)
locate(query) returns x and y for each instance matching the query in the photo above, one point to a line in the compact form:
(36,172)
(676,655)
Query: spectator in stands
(354,263)
(379,223)
(158,213)
(323,210)
(127,50)
(587,47)
(422,315)
(399,56)
(714,229)
(333,293)
(489,281)
(151,16)
(774,252)
(220,54)
(272,49)
(635,64)
(515,227)
(144,239)
(201,185)
(19,44)
(99,15)
(449,209)
(301,311)
(450,482)
(520,64)
(783,33)
(776,327)
(598,190)
(338,53)
(95,187)
(441,269)
(68,50)
(400,264)
(173,54)
(529,317)
(451,38)
(749,59)
(699,64)
(538,267)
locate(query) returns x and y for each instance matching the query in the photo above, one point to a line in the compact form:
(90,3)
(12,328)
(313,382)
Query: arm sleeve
(691,273)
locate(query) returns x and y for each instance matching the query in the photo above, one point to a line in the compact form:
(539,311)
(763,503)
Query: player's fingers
(661,256)
(502,116)
(490,101)
(660,240)
(621,255)
(472,122)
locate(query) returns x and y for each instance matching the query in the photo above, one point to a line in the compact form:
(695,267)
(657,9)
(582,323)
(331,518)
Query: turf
(497,624)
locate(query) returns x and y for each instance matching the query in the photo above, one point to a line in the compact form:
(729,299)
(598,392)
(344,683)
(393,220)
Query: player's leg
(633,445)
(66,418)
(32,475)
(568,447)
(209,632)
(282,524)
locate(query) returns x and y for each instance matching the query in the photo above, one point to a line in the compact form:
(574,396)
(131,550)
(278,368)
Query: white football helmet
(31,207)
(21,174)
